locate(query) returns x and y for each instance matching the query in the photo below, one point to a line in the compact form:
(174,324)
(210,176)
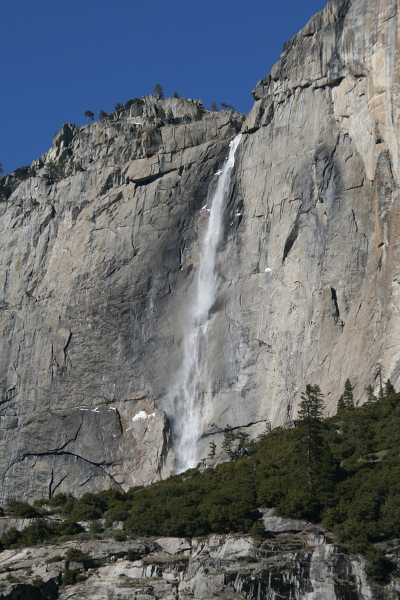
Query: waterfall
(184,400)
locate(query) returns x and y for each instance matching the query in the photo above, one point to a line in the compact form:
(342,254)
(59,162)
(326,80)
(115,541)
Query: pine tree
(341,405)
(227,444)
(1,168)
(103,115)
(158,90)
(370,394)
(213,448)
(198,114)
(214,107)
(242,437)
(389,388)
(176,95)
(310,417)
(89,115)
(170,114)
(348,397)
(380,384)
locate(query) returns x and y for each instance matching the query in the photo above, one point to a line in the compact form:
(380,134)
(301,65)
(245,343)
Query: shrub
(38,581)
(96,527)
(76,555)
(54,559)
(67,528)
(133,555)
(160,113)
(69,577)
(22,509)
(12,579)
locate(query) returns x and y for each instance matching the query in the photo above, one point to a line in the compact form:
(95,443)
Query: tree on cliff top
(158,90)
(89,115)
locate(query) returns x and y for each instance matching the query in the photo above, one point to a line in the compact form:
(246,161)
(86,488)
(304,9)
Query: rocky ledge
(299,565)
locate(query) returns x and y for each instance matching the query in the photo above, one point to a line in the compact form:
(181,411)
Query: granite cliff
(100,247)
(300,564)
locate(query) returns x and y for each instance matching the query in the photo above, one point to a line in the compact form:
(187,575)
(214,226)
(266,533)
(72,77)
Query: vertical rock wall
(98,259)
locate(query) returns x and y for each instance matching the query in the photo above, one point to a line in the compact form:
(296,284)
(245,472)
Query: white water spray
(185,400)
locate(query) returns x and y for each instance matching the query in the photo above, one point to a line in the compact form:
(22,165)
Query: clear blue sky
(60,58)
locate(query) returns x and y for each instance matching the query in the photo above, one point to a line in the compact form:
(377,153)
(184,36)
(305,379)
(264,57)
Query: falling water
(185,401)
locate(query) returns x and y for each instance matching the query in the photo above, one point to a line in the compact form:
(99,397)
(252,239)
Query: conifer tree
(370,394)
(227,444)
(1,168)
(198,114)
(158,90)
(176,95)
(213,448)
(380,383)
(389,388)
(341,405)
(310,418)
(89,115)
(348,397)
(214,107)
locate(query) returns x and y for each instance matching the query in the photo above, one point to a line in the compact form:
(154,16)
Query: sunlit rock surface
(301,566)
(98,263)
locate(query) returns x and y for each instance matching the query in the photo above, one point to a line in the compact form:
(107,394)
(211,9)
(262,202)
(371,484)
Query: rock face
(100,246)
(301,566)
(92,260)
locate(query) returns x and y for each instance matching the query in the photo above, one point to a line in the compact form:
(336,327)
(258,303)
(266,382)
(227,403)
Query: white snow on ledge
(141,415)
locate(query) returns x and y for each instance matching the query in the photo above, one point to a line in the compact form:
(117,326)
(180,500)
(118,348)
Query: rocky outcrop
(100,244)
(302,566)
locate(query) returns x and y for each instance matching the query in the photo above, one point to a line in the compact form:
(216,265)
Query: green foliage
(170,114)
(96,527)
(89,115)
(158,90)
(103,115)
(133,555)
(227,106)
(389,388)
(12,579)
(1,168)
(176,95)
(21,509)
(213,448)
(69,577)
(214,107)
(370,394)
(54,171)
(54,559)
(77,556)
(311,444)
(38,581)
(353,460)
(227,444)
(198,115)
(119,536)
(160,113)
